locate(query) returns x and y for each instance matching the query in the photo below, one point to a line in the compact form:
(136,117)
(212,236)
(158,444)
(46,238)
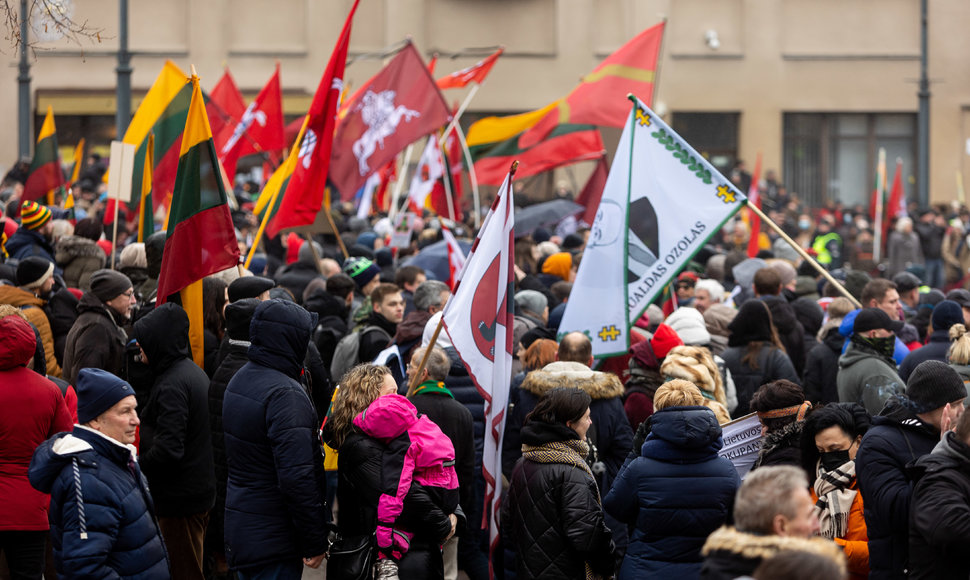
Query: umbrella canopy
(434,259)
(547,213)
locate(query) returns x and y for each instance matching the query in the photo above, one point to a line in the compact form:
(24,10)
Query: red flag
(456,258)
(475,73)
(454,161)
(224,109)
(897,203)
(593,191)
(598,100)
(389,173)
(478,318)
(304,192)
(401,105)
(754,198)
(259,129)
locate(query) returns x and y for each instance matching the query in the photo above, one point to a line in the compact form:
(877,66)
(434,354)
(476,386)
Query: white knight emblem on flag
(251,114)
(382,117)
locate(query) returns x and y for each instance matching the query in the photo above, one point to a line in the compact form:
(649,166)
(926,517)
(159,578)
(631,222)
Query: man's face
(123,303)
(418,280)
(702,300)
(46,286)
(880,333)
(804,524)
(889,304)
(443,299)
(966,316)
(120,422)
(391,307)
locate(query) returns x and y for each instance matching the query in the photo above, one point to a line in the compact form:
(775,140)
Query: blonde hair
(8,310)
(960,345)
(358,388)
(677,393)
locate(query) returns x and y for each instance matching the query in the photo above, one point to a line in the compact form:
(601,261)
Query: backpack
(347,353)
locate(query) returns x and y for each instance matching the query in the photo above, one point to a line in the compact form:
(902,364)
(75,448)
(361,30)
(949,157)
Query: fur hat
(695,364)
(689,325)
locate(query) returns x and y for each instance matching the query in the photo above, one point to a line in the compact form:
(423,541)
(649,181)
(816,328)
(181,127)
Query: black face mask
(832,460)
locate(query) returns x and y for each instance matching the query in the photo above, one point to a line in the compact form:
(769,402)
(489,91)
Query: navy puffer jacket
(676,493)
(275,495)
(95,494)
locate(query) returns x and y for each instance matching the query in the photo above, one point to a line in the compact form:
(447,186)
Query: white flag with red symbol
(478,319)
(456,258)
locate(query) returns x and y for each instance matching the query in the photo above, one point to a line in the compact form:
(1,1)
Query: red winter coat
(32,409)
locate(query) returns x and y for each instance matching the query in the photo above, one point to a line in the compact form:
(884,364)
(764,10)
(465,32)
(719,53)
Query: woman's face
(835,439)
(581,426)
(390,387)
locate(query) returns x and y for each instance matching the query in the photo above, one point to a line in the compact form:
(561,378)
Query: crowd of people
(289,447)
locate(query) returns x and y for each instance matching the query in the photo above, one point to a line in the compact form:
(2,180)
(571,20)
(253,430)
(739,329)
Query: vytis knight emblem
(382,117)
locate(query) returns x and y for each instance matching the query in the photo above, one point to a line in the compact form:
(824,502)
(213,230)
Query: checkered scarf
(835,497)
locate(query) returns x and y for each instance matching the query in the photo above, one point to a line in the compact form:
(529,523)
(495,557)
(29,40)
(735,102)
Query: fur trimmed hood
(599,385)
(71,247)
(755,547)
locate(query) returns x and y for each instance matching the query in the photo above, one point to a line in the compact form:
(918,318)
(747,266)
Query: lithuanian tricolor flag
(45,169)
(162,113)
(200,239)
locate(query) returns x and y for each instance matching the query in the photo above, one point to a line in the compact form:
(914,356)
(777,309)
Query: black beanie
(933,384)
(108,284)
(32,272)
(238,316)
(97,391)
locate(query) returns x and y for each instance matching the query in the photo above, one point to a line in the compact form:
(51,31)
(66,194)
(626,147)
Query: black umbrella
(434,259)
(547,213)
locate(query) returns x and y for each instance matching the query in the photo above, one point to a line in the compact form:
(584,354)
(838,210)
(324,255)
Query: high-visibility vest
(819,245)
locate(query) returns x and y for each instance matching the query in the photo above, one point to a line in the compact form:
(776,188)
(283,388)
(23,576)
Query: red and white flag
(430,169)
(304,192)
(478,318)
(474,73)
(754,198)
(456,258)
(224,109)
(259,129)
(400,105)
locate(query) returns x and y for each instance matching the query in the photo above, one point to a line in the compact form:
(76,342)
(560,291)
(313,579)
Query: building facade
(816,87)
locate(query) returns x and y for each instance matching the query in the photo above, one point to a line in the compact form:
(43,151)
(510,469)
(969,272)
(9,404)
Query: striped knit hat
(33,216)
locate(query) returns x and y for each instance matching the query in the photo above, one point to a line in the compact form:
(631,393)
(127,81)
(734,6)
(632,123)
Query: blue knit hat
(98,391)
(946,314)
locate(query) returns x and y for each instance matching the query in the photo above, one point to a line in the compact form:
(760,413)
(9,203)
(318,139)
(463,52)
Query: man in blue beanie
(102,521)
(946,314)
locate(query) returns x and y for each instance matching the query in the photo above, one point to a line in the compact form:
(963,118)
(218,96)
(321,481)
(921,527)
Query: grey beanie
(532,301)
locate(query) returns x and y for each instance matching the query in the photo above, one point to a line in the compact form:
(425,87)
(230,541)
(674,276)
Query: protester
(32,409)
(35,235)
(408,278)
(295,277)
(822,363)
(781,408)
(98,338)
(939,536)
(867,370)
(907,428)
(35,278)
(79,256)
(904,249)
(945,315)
(755,355)
(695,365)
(388,311)
(791,333)
(427,298)
(645,375)
(830,441)
(102,522)
(773,513)
(332,307)
(677,490)
(276,514)
(360,479)
(176,443)
(959,353)
(532,312)
(706,294)
(552,512)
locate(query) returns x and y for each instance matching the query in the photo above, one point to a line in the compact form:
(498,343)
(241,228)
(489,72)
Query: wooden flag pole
(446,180)
(472,177)
(399,184)
(313,250)
(413,383)
(333,226)
(801,252)
(262,227)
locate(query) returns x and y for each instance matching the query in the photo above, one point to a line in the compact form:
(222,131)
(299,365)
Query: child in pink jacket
(416,451)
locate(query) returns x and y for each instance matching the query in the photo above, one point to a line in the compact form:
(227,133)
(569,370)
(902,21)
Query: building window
(833,156)
(713,135)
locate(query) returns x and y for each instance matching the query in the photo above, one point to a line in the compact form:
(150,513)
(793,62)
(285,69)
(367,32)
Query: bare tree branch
(48,19)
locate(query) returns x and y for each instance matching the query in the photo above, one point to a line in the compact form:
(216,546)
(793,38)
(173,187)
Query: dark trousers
(184,537)
(24,551)
(283,570)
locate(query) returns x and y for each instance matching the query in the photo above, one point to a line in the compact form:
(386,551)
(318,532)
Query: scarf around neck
(433,387)
(835,491)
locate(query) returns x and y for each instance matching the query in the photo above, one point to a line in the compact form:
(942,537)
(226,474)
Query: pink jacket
(416,450)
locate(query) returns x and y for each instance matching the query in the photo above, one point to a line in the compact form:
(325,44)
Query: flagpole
(461,109)
(333,226)
(399,185)
(447,182)
(471,175)
(880,187)
(114,235)
(262,226)
(413,383)
(313,249)
(801,252)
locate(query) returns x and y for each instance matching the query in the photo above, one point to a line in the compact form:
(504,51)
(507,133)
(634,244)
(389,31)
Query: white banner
(661,203)
(742,442)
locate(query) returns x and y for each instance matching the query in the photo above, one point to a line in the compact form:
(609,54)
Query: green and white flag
(661,203)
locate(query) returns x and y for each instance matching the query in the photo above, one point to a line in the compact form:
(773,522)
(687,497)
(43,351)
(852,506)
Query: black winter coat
(331,323)
(790,330)
(822,369)
(358,490)
(936,348)
(676,493)
(275,495)
(95,340)
(87,474)
(235,359)
(553,515)
(295,277)
(773,364)
(176,443)
(892,445)
(939,533)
